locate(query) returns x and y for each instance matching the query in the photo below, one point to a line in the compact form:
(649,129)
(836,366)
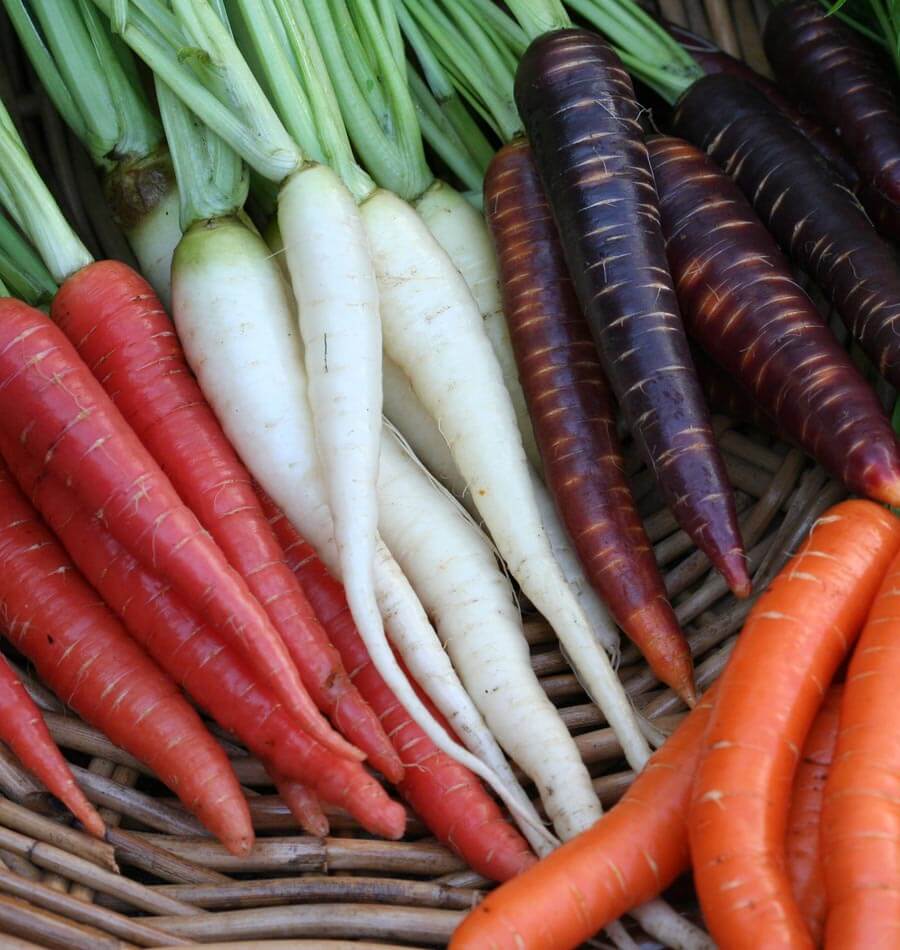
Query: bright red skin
(712,60)
(804,204)
(23,729)
(84,655)
(61,415)
(574,416)
(583,122)
(121,331)
(836,73)
(217,678)
(743,306)
(449,799)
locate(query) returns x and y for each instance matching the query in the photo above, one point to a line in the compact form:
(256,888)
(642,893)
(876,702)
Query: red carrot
(631,854)
(211,672)
(803,852)
(792,644)
(121,331)
(574,416)
(23,729)
(82,653)
(303,805)
(583,122)
(836,73)
(861,814)
(60,414)
(449,799)
(743,306)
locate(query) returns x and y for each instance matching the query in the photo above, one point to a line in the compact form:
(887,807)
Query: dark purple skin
(713,61)
(726,396)
(579,110)
(742,305)
(804,203)
(837,74)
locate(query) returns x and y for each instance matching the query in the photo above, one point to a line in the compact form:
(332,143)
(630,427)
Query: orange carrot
(861,814)
(803,851)
(635,851)
(23,729)
(792,644)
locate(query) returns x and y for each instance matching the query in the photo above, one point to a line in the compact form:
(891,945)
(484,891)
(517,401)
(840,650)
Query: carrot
(574,420)
(861,815)
(714,61)
(631,854)
(803,853)
(743,306)
(794,639)
(23,729)
(450,799)
(724,394)
(60,413)
(835,73)
(804,203)
(115,321)
(82,653)
(211,672)
(303,805)
(582,119)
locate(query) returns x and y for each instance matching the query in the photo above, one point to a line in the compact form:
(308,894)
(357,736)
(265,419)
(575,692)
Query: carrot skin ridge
(83,654)
(582,119)
(742,305)
(629,856)
(573,414)
(713,61)
(118,326)
(794,640)
(214,674)
(803,851)
(837,74)
(861,817)
(448,797)
(821,226)
(23,729)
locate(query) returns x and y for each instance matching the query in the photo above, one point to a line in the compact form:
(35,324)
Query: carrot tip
(886,490)
(733,567)
(240,847)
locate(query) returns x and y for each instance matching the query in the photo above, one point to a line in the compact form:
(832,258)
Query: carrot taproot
(790,647)
(61,414)
(861,814)
(210,671)
(804,203)
(582,119)
(119,328)
(574,418)
(724,394)
(631,854)
(23,729)
(303,804)
(835,73)
(82,653)
(803,851)
(713,61)
(448,797)
(742,305)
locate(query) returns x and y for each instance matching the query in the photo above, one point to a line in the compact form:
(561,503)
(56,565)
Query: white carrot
(434,332)
(444,554)
(234,317)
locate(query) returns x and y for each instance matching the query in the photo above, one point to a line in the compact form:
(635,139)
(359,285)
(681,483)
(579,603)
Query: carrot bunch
(785,844)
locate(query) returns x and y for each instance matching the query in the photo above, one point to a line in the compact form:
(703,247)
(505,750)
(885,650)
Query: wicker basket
(159,881)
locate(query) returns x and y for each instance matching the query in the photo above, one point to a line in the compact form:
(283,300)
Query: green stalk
(34,209)
(537,17)
(92,84)
(499,23)
(22,273)
(371,88)
(194,54)
(212,180)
